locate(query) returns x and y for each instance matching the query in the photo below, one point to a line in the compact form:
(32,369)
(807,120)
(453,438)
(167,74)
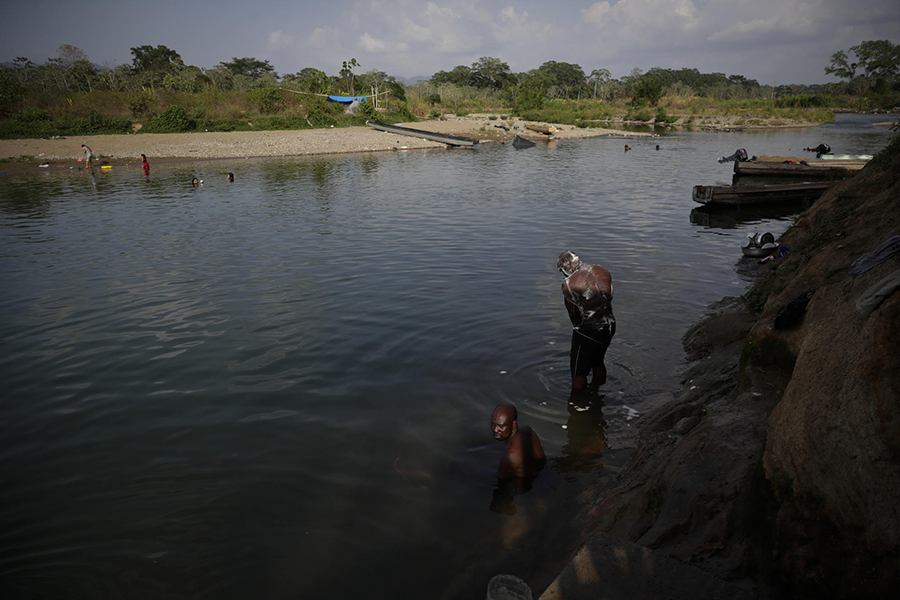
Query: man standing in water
(524,456)
(588,292)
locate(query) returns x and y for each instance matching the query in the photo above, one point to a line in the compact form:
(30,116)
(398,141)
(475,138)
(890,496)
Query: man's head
(504,421)
(568,262)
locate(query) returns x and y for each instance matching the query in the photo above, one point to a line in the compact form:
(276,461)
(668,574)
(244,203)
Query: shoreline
(124,150)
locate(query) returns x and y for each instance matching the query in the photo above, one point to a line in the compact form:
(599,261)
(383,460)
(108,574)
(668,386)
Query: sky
(773,41)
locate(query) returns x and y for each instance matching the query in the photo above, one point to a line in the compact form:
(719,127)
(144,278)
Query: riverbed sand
(53,154)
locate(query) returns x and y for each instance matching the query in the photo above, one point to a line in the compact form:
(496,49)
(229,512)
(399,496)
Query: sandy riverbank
(55,154)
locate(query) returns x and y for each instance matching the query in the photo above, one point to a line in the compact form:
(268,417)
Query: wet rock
(686,424)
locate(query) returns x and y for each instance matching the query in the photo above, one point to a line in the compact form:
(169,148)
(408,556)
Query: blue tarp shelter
(346,99)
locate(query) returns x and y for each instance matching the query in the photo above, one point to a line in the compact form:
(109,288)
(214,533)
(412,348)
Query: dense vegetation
(69,95)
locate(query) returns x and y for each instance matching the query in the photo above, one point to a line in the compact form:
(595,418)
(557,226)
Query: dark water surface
(205,390)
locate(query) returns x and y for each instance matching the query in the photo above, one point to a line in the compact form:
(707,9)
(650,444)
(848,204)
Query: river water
(281,387)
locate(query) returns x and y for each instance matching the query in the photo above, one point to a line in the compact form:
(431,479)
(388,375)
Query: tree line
(870,69)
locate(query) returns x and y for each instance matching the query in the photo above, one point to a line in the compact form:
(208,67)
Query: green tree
(840,66)
(347,72)
(646,88)
(309,80)
(159,58)
(150,65)
(879,61)
(11,91)
(248,67)
(567,77)
(491,73)
(461,75)
(599,80)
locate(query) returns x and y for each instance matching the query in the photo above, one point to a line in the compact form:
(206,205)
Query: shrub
(266,100)
(31,115)
(530,99)
(174,120)
(663,117)
(139,103)
(96,123)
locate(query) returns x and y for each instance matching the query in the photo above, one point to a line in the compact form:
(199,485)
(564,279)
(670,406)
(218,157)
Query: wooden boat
(443,138)
(739,195)
(545,129)
(808,169)
(521,143)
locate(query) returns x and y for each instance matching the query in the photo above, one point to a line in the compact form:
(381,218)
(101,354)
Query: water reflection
(731,218)
(585,435)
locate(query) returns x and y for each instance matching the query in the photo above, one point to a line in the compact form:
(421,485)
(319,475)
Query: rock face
(778,468)
(833,445)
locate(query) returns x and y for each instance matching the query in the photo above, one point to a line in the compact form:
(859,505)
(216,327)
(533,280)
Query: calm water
(205,390)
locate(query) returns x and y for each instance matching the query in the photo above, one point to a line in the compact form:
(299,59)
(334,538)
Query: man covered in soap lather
(588,293)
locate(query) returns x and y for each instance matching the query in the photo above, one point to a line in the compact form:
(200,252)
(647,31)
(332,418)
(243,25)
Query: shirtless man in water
(587,292)
(524,456)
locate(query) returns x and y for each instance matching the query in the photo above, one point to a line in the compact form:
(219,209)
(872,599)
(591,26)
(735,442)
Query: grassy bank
(263,109)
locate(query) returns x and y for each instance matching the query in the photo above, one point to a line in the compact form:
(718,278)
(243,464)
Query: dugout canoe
(545,129)
(740,195)
(810,169)
(443,138)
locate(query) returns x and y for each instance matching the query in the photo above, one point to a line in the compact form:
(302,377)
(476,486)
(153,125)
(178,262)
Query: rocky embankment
(777,471)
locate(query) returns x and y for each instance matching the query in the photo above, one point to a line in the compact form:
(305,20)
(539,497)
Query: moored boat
(545,129)
(806,169)
(443,138)
(738,195)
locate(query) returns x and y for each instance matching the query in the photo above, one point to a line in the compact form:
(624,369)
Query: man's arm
(573,306)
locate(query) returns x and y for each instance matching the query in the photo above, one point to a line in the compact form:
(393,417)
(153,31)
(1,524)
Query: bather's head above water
(568,262)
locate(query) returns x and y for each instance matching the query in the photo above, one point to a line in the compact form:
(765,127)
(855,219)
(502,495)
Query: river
(281,387)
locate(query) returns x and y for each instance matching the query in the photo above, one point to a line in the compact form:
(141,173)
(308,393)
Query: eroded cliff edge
(778,468)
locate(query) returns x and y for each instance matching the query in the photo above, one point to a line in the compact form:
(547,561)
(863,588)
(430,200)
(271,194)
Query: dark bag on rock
(792,313)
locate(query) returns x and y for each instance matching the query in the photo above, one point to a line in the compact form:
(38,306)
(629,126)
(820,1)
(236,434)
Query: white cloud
(597,14)
(279,39)
(369,44)
(321,38)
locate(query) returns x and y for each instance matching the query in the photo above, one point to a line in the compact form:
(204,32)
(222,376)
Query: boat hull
(443,138)
(812,170)
(739,195)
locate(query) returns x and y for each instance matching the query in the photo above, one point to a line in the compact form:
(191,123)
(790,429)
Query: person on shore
(145,164)
(230,177)
(587,292)
(88,156)
(524,457)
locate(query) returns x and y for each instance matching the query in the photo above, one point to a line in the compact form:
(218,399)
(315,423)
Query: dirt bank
(776,470)
(55,154)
